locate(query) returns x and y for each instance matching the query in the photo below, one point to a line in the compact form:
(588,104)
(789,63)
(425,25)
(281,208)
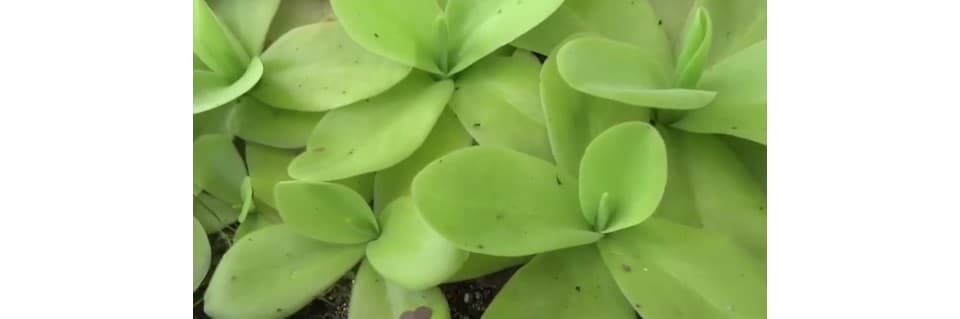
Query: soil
(467,299)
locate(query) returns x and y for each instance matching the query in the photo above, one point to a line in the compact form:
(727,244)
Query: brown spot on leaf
(626,267)
(319,149)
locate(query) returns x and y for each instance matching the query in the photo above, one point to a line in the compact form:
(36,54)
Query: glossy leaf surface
(409,252)
(274,272)
(668,270)
(201,254)
(624,171)
(403,31)
(373,297)
(268,166)
(500,202)
(326,211)
(248,20)
(478,265)
(260,123)
(695,51)
(318,67)
(295,13)
(218,168)
(215,45)
(211,90)
(567,284)
(375,134)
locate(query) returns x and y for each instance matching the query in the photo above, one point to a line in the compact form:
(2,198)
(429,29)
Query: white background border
(863,163)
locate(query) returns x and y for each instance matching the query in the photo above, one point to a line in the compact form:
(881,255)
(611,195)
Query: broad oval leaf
(625,21)
(267,125)
(695,51)
(625,169)
(391,183)
(255,222)
(295,13)
(477,28)
(273,272)
(627,73)
(753,156)
(498,101)
(737,24)
(567,284)
(673,15)
(318,67)
(218,168)
(326,211)
(409,252)
(375,134)
(668,270)
(215,45)
(712,187)
(500,202)
(575,118)
(478,265)
(201,254)
(403,31)
(248,20)
(211,90)
(215,121)
(740,108)
(374,297)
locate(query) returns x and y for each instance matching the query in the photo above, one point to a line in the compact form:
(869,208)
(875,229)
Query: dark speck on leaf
(376,35)
(350,152)
(480,246)
(558,181)
(577,288)
(235,277)
(279,309)
(474,143)
(626,267)
(319,149)
(299,85)
(339,45)
(733,127)
(500,216)
(636,305)
(343,92)
(476,124)
(499,11)
(659,22)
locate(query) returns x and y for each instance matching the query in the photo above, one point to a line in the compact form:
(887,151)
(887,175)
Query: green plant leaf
(668,270)
(211,90)
(317,67)
(713,183)
(478,28)
(695,50)
(362,184)
(624,171)
(498,101)
(213,214)
(246,195)
(273,272)
(326,211)
(373,297)
(255,222)
(574,118)
(295,13)
(264,124)
(248,20)
(500,202)
(628,74)
(201,254)
(478,265)
(215,121)
(673,16)
(409,252)
(218,168)
(740,108)
(753,156)
(391,183)
(375,134)
(215,45)
(567,284)
(620,20)
(737,24)
(403,31)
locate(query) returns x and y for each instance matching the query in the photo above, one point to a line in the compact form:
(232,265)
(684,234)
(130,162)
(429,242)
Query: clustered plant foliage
(614,149)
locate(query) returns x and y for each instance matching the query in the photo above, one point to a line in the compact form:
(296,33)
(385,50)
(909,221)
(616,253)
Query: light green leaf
(668,270)
(375,134)
(478,265)
(318,67)
(218,168)
(673,16)
(574,118)
(362,184)
(737,24)
(201,254)
(215,121)
(249,20)
(627,21)
(624,171)
(391,183)
(753,156)
(246,195)
(264,124)
(713,183)
(211,90)
(273,272)
(215,45)
(477,28)
(213,214)
(695,51)
(500,202)
(326,211)
(567,284)
(740,108)
(409,252)
(373,297)
(255,222)
(295,13)
(498,101)
(627,73)
(403,31)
